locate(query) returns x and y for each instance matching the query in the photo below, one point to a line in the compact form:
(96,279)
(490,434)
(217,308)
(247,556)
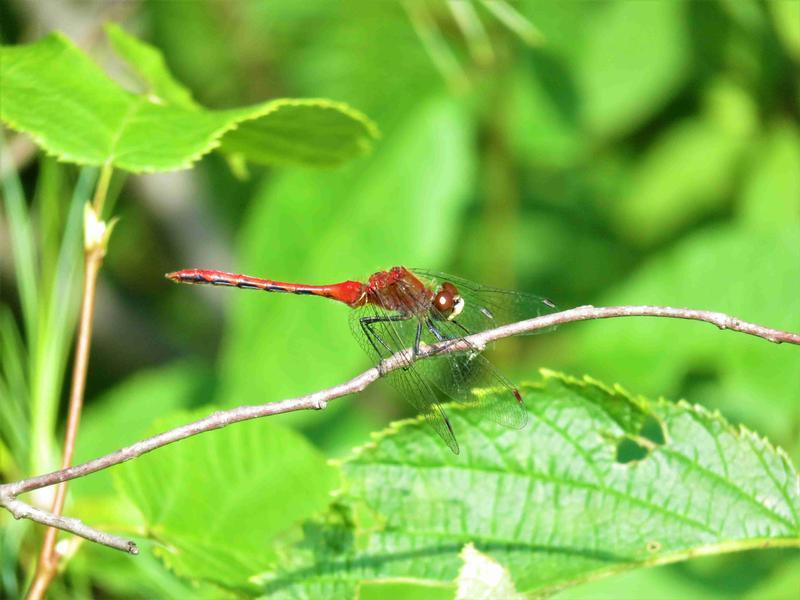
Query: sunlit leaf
(215,503)
(751,273)
(149,64)
(55,93)
(554,504)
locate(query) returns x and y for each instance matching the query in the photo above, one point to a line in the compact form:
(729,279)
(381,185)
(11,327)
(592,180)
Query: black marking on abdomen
(305,293)
(194,278)
(246,285)
(219,282)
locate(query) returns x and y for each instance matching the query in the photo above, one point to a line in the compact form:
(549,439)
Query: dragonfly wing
(382,334)
(465,375)
(469,378)
(423,398)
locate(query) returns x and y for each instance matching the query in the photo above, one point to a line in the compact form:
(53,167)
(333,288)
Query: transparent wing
(465,375)
(382,334)
(471,379)
(487,307)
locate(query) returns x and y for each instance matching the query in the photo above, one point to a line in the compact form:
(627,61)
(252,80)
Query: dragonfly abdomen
(349,292)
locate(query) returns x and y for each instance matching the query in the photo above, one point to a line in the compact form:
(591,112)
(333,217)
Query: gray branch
(318,400)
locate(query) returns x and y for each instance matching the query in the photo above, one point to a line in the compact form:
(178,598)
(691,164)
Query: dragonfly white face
(458,306)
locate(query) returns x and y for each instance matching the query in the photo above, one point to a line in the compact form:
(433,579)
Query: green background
(645,153)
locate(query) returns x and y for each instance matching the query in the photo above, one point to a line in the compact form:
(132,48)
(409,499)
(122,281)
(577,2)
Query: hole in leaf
(653,430)
(638,447)
(629,451)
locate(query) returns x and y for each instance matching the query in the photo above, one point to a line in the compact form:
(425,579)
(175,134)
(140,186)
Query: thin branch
(586,313)
(318,400)
(21,510)
(94,251)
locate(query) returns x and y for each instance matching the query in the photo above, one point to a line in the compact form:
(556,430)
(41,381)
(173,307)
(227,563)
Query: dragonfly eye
(444,301)
(448,302)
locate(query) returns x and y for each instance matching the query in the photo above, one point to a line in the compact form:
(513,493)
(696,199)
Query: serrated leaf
(303,131)
(551,504)
(751,273)
(148,63)
(216,503)
(55,93)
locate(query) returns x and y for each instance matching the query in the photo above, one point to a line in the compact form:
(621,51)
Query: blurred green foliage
(644,152)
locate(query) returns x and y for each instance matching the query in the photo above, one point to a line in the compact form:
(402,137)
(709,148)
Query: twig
(318,400)
(21,510)
(586,313)
(95,249)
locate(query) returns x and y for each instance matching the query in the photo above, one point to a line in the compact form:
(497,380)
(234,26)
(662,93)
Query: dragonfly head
(448,301)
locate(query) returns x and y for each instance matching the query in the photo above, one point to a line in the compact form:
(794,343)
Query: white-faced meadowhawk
(405,308)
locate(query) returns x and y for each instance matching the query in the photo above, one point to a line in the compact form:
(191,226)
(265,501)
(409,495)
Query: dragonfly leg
(438,334)
(452,341)
(417,339)
(432,328)
(366,324)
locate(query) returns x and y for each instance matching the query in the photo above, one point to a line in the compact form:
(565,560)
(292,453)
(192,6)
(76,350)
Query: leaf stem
(318,400)
(93,260)
(101,192)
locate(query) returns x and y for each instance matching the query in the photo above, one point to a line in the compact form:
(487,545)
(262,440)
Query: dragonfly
(402,308)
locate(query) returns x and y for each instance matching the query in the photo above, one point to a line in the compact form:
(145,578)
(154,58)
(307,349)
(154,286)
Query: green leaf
(751,273)
(149,64)
(126,413)
(216,503)
(786,20)
(542,118)
(551,505)
(772,193)
(633,61)
(52,91)
(705,151)
(395,590)
(313,132)
(120,417)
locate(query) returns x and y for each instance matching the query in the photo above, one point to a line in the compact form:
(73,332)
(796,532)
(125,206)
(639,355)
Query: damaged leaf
(553,505)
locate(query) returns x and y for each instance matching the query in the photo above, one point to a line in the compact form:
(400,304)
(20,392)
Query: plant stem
(93,259)
(101,191)
(318,400)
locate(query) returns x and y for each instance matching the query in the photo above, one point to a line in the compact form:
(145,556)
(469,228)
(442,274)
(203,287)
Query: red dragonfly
(405,308)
